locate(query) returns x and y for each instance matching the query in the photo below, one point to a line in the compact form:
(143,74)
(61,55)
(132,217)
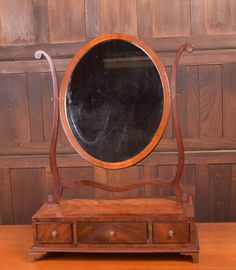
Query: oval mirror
(114,101)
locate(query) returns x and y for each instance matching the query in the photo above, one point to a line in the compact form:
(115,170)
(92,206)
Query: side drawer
(112,232)
(54,233)
(171,232)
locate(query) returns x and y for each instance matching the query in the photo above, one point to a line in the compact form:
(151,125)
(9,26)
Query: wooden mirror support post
(147,225)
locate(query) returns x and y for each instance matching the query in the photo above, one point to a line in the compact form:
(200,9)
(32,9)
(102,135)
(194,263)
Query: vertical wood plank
(118,17)
(188,180)
(35,107)
(210,89)
(14,115)
(202,200)
(150,171)
(41,27)
(171,18)
(122,177)
(101,176)
(92,18)
(66,20)
(16,22)
(47,100)
(198,17)
(166,172)
(169,131)
(192,91)
(220,17)
(61,134)
(229,100)
(6,211)
(27,193)
(145,18)
(233,195)
(82,173)
(220,188)
(49,182)
(182,99)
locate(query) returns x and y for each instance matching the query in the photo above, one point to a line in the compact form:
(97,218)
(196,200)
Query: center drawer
(112,232)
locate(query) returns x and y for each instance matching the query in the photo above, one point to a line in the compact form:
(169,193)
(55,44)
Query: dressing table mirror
(114,105)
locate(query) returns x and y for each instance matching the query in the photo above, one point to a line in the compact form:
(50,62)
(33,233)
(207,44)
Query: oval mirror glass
(114,101)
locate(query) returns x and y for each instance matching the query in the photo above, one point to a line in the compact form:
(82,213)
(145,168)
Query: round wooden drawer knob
(171,233)
(54,234)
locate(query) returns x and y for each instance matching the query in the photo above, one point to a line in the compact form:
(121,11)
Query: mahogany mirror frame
(174,182)
(166,101)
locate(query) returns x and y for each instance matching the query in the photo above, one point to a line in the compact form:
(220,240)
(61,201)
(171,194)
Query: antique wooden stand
(125,225)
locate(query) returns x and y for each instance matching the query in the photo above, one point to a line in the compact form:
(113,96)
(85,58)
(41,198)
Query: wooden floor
(217,244)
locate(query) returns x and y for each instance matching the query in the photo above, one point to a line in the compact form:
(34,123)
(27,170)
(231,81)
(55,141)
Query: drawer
(54,233)
(172,232)
(112,232)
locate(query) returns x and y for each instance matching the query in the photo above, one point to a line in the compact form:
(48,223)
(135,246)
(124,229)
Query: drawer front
(54,233)
(172,232)
(109,232)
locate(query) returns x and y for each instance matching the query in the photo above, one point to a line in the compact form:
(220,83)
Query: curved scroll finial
(176,181)
(53,163)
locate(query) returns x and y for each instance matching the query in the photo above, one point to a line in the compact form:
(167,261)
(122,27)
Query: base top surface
(123,207)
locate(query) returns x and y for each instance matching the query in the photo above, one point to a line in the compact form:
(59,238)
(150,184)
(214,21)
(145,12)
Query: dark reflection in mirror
(114,101)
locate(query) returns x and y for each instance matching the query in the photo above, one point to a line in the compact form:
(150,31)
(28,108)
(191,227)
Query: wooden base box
(115,226)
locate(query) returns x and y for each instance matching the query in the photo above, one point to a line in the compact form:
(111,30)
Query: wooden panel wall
(206,98)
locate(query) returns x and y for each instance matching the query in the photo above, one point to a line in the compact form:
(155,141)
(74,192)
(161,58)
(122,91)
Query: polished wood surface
(206,97)
(138,209)
(217,241)
(112,232)
(115,226)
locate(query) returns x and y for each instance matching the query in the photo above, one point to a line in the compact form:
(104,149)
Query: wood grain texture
(27,193)
(166,172)
(14,116)
(180,232)
(41,26)
(15,240)
(233,194)
(171,18)
(112,232)
(92,18)
(203,200)
(207,77)
(145,18)
(193,106)
(181,93)
(101,175)
(169,131)
(66,20)
(188,181)
(220,17)
(35,107)
(47,104)
(20,30)
(220,187)
(210,91)
(150,171)
(78,173)
(6,211)
(62,233)
(118,17)
(229,98)
(198,17)
(124,177)
(208,50)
